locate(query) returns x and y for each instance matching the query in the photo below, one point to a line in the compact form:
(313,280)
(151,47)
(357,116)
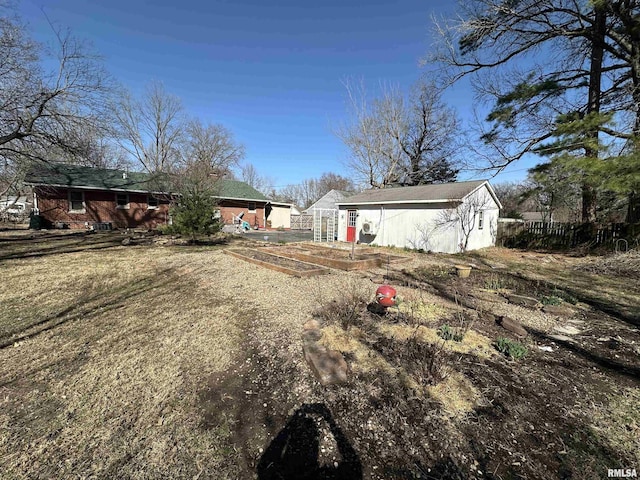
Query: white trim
(241,199)
(400,202)
(280,204)
(440,200)
(154,207)
(84,205)
(127,206)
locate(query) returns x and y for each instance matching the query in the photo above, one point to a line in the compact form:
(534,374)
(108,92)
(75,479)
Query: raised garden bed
(334,257)
(277,262)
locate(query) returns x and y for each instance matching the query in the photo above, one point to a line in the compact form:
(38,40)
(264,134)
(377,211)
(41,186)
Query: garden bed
(276,262)
(335,257)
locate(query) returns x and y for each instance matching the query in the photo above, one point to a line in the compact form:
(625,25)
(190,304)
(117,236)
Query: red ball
(386,296)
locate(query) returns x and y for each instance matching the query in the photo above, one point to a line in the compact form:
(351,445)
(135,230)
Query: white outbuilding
(448,217)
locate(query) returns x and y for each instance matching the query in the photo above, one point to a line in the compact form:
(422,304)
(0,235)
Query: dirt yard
(155,360)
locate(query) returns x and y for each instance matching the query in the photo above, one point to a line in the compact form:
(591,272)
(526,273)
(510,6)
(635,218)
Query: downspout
(35,203)
(382,224)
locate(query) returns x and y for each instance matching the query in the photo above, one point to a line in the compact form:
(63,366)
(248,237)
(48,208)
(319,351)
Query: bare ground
(151,361)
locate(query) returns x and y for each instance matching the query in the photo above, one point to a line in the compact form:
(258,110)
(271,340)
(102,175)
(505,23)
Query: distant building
(440,218)
(329,200)
(78,197)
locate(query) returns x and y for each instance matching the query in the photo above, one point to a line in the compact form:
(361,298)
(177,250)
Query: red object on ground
(386,296)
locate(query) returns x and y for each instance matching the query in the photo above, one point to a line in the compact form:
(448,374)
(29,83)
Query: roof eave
(399,202)
(84,187)
(262,200)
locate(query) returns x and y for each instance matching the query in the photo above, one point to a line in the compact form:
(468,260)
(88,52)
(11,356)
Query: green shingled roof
(237,189)
(75,176)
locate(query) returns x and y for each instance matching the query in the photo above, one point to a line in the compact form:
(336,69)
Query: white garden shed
(448,217)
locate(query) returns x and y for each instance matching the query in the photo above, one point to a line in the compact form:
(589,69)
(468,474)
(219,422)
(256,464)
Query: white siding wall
(421,225)
(487,236)
(280,216)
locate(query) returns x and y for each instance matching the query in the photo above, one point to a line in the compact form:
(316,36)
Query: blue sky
(272,72)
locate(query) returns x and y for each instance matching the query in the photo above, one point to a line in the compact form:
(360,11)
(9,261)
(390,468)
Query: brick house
(79,197)
(239,197)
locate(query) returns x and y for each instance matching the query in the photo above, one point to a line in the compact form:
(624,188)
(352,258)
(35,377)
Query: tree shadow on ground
(294,452)
(86,305)
(630,371)
(60,244)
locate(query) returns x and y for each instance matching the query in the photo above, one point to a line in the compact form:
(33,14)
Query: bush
(449,333)
(565,296)
(428,362)
(494,282)
(194,215)
(550,300)
(511,348)
(347,309)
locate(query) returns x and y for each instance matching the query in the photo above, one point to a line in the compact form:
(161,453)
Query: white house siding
(487,236)
(421,225)
(280,216)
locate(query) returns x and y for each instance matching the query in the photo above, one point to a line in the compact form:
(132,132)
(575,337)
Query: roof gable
(329,199)
(433,193)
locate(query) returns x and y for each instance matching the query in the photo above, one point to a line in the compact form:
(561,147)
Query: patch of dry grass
(617,265)
(456,394)
(473,342)
(421,311)
(364,358)
(105,381)
(619,423)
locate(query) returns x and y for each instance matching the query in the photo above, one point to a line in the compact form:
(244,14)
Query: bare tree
(311,190)
(397,138)
(332,181)
(250,175)
(151,129)
(465,217)
(212,145)
(46,97)
(95,147)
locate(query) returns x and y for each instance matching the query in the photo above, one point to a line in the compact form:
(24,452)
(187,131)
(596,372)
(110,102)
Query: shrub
(194,214)
(428,362)
(494,282)
(550,300)
(567,297)
(449,333)
(511,348)
(345,310)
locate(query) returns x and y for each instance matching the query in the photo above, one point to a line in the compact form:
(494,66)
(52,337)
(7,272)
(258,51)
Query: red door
(351,225)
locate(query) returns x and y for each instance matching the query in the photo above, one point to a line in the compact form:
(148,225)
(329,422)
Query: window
(480,219)
(76,202)
(122,201)
(252,207)
(152,202)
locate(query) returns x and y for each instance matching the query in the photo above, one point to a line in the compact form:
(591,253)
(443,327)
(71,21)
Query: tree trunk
(588,203)
(593,105)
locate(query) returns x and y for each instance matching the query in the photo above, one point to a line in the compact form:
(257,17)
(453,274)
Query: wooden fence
(567,235)
(301,222)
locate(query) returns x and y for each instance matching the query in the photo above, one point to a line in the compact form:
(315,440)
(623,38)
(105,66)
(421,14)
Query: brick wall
(235,207)
(100,206)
